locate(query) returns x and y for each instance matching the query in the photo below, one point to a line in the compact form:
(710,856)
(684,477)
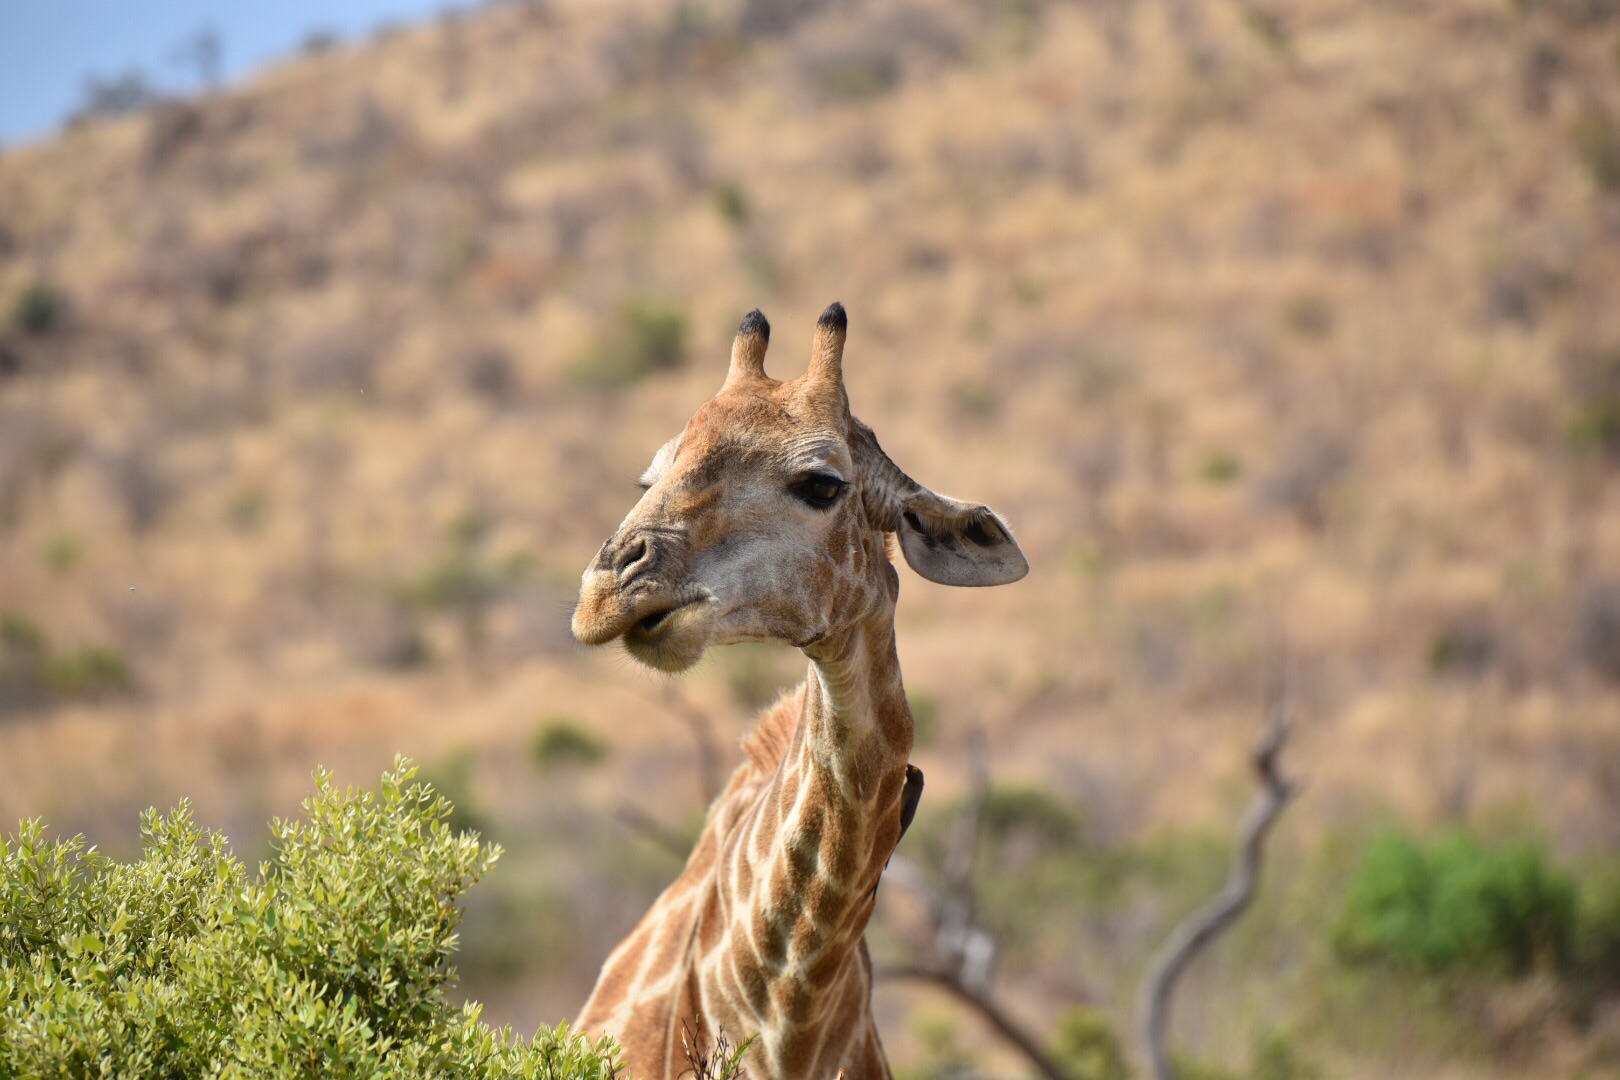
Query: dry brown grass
(1262,325)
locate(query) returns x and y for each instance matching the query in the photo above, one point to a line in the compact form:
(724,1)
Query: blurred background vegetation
(1262,323)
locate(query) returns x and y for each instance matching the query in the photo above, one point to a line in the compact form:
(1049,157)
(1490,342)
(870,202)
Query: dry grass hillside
(1286,336)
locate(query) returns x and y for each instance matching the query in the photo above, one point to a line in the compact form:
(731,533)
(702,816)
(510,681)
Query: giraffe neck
(805,881)
(856,721)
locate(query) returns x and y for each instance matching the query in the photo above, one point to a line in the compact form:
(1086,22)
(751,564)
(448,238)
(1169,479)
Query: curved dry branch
(1210,921)
(654,831)
(961,954)
(986,1007)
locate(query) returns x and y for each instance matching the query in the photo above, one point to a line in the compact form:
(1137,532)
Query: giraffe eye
(819,490)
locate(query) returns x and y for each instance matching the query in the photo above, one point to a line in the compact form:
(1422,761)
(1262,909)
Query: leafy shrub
(452,777)
(1597,931)
(247,509)
(1455,904)
(1219,467)
(925,710)
(331,961)
(91,671)
(1087,1048)
(21,636)
(650,337)
(1276,1057)
(1592,376)
(465,581)
(1031,856)
(38,310)
(1596,138)
(561,742)
(1465,647)
(1014,811)
(61,552)
(32,672)
(730,203)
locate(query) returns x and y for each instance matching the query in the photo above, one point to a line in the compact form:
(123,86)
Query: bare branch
(1221,911)
(651,829)
(986,1007)
(962,953)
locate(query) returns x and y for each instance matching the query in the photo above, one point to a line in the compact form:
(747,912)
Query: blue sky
(49,47)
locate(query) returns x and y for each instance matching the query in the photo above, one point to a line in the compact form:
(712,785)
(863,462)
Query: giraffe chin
(675,641)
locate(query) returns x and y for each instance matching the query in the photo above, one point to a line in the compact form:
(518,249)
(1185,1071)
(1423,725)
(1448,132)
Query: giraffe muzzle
(665,628)
(672,639)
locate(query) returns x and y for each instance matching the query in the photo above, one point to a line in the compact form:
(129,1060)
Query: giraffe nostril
(631,557)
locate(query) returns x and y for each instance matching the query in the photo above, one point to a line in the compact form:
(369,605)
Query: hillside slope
(1284,336)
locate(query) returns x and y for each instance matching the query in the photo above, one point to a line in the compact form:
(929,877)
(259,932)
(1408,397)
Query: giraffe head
(765,520)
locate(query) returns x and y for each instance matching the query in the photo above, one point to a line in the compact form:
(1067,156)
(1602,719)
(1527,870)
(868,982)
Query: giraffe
(769,518)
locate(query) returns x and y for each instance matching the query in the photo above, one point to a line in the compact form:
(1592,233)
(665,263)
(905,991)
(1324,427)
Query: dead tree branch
(654,831)
(980,1002)
(961,955)
(1221,911)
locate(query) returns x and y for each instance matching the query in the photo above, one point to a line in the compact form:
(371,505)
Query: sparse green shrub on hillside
(649,337)
(1456,904)
(1020,813)
(1219,467)
(562,743)
(61,552)
(1086,1046)
(38,310)
(331,961)
(90,671)
(1597,932)
(33,672)
(925,711)
(465,580)
(730,203)
(1596,138)
(1593,377)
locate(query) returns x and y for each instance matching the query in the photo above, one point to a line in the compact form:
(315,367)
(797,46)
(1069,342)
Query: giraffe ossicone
(766,519)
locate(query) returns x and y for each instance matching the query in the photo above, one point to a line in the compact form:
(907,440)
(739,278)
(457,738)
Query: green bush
(925,710)
(92,671)
(1597,931)
(32,672)
(650,337)
(332,960)
(1219,467)
(1455,904)
(38,309)
(61,552)
(560,742)
(1015,810)
(1596,138)
(1086,1047)
(730,203)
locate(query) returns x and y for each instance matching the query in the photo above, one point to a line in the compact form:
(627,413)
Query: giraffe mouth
(652,622)
(672,638)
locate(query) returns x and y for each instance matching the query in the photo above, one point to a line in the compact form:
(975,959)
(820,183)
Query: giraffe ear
(943,539)
(958,543)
